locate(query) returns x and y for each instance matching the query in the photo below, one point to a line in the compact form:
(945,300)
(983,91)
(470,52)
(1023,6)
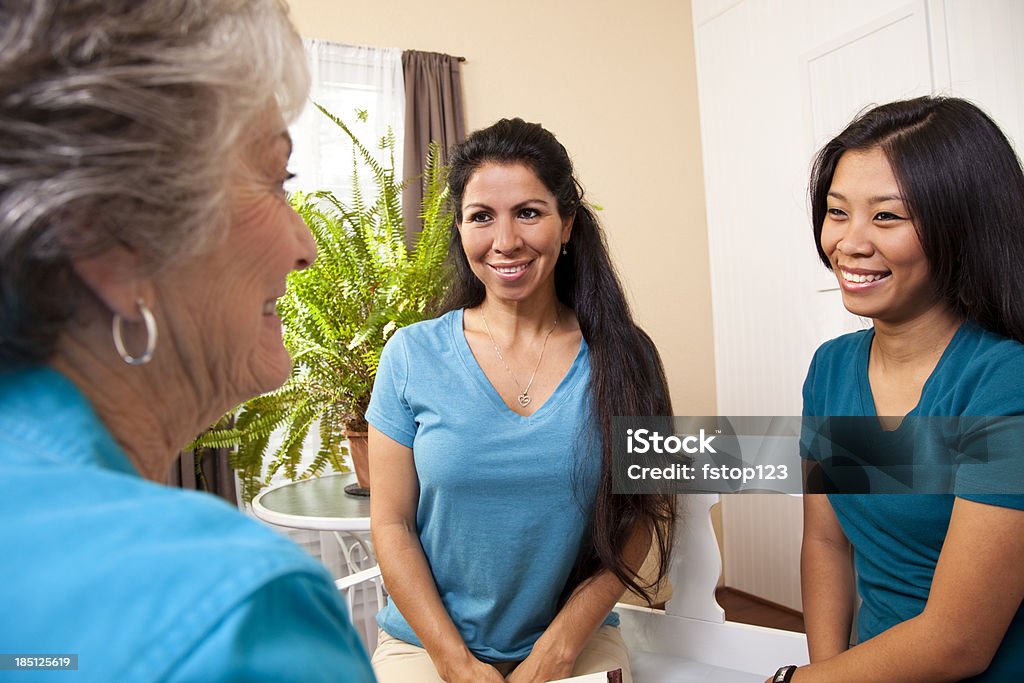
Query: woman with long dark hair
(918,209)
(498,536)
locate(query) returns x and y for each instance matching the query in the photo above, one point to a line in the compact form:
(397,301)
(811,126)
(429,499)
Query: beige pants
(396,661)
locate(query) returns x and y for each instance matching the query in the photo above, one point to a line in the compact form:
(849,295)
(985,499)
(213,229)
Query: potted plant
(337,315)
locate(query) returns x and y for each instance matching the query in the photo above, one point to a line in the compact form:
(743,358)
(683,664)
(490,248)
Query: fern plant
(338,313)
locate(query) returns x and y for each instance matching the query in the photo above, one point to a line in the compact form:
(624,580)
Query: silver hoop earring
(150,322)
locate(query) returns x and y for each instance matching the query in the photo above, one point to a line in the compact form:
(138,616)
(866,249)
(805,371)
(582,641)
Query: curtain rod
(461,59)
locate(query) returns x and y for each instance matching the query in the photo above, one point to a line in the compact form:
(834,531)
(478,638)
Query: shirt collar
(43,409)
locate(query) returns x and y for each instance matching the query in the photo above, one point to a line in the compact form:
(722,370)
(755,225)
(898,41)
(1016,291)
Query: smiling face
(872,242)
(220,307)
(511,232)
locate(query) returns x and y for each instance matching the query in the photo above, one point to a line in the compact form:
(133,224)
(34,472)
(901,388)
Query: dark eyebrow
(874,200)
(520,205)
(527,202)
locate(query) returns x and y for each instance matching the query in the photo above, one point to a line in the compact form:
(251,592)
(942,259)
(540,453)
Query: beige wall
(616,82)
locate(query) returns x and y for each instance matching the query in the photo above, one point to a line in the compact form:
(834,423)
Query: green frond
(218,438)
(248,462)
(332,438)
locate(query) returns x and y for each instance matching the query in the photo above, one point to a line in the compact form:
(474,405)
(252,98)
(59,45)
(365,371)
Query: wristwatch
(784,674)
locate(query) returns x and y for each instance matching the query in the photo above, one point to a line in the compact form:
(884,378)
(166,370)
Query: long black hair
(627,377)
(964,188)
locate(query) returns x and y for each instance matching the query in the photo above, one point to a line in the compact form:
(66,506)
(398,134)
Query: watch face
(782,675)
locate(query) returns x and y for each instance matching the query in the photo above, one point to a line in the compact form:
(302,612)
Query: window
(347,79)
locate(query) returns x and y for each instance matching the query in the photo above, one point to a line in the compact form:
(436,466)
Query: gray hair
(118,121)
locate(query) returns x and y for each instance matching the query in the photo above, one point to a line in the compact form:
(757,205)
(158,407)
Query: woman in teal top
(499,538)
(144,239)
(918,208)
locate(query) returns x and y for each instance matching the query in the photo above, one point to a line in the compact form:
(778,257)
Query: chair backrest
(692,634)
(696,561)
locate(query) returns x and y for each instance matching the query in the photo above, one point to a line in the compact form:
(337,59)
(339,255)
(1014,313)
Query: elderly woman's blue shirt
(145,582)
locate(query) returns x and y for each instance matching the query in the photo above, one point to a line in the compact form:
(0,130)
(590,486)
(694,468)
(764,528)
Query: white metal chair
(364,596)
(689,641)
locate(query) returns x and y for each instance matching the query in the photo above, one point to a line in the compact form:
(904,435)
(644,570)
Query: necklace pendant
(524,399)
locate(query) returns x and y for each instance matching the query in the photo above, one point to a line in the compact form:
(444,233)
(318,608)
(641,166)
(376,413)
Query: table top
(320,504)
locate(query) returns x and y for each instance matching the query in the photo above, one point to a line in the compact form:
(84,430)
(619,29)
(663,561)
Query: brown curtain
(212,474)
(433,111)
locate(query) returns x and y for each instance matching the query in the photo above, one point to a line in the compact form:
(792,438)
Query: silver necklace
(524,394)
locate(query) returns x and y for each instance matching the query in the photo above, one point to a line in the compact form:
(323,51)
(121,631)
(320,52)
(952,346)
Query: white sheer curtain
(347,79)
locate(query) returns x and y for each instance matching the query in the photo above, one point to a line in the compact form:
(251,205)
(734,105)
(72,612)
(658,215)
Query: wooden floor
(746,609)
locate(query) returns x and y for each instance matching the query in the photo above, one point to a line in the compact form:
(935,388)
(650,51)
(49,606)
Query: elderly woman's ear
(114,276)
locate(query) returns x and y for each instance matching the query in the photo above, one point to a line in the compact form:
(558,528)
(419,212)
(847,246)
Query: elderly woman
(144,240)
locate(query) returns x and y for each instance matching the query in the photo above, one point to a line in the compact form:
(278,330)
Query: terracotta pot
(358,448)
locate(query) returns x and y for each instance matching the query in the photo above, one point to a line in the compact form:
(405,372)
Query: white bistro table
(320,504)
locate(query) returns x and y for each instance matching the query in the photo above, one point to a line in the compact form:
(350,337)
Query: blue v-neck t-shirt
(897,538)
(504,500)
